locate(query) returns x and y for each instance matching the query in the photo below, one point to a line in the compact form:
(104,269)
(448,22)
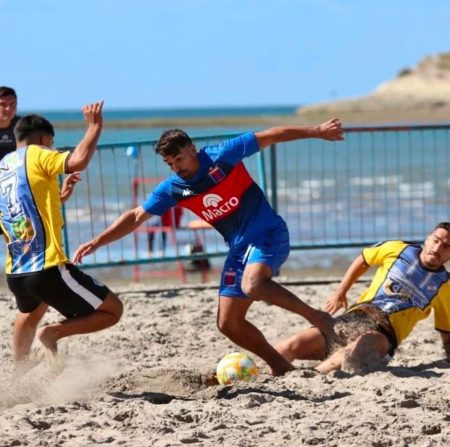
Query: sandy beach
(145,382)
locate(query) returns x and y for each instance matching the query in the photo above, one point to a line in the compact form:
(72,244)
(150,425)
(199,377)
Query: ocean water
(65,137)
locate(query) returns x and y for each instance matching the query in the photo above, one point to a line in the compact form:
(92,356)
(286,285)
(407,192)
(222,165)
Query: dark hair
(7,91)
(32,125)
(172,141)
(444,225)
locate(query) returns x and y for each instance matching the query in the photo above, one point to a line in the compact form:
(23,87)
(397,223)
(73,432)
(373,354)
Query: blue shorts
(271,249)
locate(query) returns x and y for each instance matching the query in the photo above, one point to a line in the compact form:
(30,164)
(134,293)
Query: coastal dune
(147,382)
(417,95)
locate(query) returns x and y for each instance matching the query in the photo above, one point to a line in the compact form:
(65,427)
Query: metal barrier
(381,183)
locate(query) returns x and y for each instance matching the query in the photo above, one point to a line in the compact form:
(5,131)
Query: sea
(69,137)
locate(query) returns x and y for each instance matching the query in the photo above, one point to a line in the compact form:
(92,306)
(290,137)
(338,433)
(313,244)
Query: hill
(419,94)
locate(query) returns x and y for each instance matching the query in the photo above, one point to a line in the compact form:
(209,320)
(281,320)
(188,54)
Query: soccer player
(8,119)
(38,271)
(214,184)
(409,283)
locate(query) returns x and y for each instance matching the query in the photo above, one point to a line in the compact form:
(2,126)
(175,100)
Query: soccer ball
(235,367)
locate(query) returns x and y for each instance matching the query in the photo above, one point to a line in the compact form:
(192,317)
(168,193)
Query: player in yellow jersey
(409,283)
(39,273)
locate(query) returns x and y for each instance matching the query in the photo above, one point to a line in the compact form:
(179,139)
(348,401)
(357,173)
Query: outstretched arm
(330,130)
(82,154)
(445,337)
(123,225)
(339,298)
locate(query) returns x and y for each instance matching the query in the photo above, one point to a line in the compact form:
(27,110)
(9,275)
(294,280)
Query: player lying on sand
(214,184)
(409,283)
(38,271)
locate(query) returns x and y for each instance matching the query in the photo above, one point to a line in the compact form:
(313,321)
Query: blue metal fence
(380,183)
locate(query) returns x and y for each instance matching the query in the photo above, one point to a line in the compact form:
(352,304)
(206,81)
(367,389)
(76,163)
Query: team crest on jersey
(216,174)
(393,288)
(229,278)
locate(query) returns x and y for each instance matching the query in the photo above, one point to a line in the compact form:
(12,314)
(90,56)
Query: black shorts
(65,288)
(358,320)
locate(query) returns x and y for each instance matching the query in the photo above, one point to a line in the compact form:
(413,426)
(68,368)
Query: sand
(145,382)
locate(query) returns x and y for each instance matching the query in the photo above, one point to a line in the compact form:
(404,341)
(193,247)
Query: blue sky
(59,54)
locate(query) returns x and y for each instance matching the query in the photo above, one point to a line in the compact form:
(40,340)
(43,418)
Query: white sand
(144,383)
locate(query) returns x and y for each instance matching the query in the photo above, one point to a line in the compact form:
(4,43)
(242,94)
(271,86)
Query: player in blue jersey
(410,282)
(215,185)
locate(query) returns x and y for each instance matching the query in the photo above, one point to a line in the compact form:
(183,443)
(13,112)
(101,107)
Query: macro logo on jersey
(215,199)
(217,207)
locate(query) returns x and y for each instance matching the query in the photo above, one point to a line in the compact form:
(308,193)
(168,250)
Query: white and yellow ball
(236,367)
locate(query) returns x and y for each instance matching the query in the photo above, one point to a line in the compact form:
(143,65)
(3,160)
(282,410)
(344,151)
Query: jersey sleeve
(160,200)
(441,306)
(376,254)
(234,150)
(50,161)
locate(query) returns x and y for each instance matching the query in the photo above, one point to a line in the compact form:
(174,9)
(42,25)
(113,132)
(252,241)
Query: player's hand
(93,114)
(336,302)
(331,130)
(71,180)
(83,250)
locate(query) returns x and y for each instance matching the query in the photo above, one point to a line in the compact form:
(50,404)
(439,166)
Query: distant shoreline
(222,121)
(348,117)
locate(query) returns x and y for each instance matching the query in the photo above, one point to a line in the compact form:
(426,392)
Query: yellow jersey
(30,208)
(406,290)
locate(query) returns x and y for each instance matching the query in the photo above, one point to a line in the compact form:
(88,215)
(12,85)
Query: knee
(28,320)
(227,326)
(367,351)
(253,286)
(118,311)
(114,307)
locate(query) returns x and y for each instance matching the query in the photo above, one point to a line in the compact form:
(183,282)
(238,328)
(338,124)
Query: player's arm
(445,337)
(79,159)
(339,298)
(330,130)
(67,187)
(123,225)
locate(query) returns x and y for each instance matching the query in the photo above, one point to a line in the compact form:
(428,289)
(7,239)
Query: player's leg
(30,312)
(262,260)
(24,332)
(104,316)
(366,352)
(258,284)
(88,305)
(232,322)
(308,344)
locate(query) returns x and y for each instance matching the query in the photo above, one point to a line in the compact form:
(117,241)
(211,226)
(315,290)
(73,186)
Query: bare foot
(23,366)
(47,336)
(281,370)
